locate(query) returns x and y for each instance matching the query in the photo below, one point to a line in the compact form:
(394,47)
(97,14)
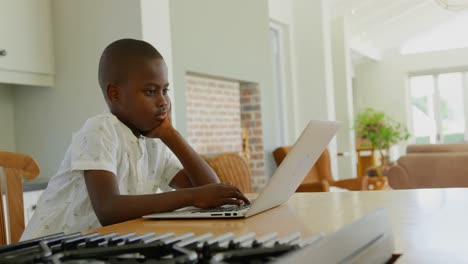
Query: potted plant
(382,131)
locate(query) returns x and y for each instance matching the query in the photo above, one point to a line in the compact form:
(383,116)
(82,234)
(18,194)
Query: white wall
(281,11)
(383,85)
(7,118)
(228,39)
(313,71)
(156,29)
(312,91)
(313,61)
(47,117)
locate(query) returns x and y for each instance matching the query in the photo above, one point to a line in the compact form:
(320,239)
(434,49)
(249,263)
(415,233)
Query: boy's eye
(165,91)
(150,92)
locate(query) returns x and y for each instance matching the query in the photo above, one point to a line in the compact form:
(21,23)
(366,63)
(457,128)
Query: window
(438,107)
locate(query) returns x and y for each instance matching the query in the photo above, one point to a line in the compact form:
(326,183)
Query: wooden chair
(232,168)
(319,178)
(15,166)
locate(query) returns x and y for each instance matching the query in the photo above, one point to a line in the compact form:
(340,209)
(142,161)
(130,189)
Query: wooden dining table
(429,225)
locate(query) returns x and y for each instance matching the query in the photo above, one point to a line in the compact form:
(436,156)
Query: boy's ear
(113,93)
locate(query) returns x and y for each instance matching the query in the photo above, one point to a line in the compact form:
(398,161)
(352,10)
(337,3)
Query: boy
(118,160)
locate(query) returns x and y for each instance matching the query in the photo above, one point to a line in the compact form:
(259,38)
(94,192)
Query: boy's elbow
(106,222)
(106,213)
(105,217)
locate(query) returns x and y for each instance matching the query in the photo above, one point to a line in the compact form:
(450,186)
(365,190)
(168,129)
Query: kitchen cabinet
(26,42)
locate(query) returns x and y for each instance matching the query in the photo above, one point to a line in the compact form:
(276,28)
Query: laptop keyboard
(224,209)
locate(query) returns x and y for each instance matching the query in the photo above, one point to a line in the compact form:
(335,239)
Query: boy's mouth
(161,116)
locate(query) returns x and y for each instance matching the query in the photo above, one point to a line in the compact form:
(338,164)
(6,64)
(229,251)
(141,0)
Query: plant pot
(376,171)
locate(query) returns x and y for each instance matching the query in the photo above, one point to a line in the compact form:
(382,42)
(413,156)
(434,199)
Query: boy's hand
(217,194)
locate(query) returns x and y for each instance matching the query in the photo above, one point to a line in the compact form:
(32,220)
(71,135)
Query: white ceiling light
(453,5)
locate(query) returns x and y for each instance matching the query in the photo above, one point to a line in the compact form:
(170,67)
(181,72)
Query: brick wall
(213,114)
(251,119)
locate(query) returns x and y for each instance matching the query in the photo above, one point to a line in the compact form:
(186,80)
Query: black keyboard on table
(152,248)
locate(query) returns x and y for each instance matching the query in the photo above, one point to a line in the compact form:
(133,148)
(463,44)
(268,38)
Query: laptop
(284,182)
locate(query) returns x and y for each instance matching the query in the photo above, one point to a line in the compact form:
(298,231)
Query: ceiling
(386,24)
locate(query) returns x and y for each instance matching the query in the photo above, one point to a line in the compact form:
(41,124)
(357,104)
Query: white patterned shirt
(141,165)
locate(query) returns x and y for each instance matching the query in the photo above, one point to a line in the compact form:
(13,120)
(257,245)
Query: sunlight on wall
(449,35)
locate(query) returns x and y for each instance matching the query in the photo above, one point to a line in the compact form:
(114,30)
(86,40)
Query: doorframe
(284,110)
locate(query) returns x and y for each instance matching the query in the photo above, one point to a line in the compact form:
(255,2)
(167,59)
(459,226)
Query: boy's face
(143,101)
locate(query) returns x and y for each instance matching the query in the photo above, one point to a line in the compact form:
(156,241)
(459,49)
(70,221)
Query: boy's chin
(151,130)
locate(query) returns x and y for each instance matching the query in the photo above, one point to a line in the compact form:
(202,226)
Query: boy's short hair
(119,56)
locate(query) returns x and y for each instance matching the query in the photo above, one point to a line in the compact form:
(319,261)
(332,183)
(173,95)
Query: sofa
(431,166)
(436,148)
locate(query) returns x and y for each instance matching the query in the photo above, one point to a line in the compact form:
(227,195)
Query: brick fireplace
(219,111)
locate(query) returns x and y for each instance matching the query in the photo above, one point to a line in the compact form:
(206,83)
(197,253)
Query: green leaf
(382,130)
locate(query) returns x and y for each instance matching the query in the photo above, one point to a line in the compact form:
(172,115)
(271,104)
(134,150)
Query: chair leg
(3,240)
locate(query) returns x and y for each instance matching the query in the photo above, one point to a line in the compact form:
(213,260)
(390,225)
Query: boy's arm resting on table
(111,207)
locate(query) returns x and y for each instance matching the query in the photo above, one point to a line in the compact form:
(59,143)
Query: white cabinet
(30,201)
(26,46)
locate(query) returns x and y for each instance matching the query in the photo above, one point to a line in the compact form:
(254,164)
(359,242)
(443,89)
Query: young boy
(117,161)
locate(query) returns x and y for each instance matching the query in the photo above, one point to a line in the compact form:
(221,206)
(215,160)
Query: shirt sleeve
(171,168)
(94,149)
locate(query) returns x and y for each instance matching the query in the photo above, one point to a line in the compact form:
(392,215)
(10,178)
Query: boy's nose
(162,102)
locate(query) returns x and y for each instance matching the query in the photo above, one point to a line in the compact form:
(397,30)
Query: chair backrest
(232,168)
(319,172)
(15,166)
